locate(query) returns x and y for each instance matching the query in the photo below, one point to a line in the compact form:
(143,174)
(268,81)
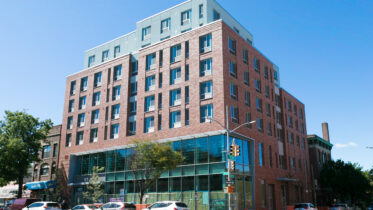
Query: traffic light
(232,150)
(233,165)
(237,151)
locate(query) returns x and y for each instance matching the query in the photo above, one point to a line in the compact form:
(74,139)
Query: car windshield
(301,205)
(35,205)
(52,205)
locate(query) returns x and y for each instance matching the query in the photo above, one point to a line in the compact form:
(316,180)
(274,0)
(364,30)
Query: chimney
(325,131)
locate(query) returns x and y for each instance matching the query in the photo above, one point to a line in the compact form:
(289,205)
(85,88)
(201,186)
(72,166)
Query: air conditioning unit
(152,66)
(177,102)
(116,116)
(177,80)
(177,124)
(208,95)
(177,58)
(151,108)
(116,136)
(95,121)
(151,88)
(207,49)
(150,129)
(208,72)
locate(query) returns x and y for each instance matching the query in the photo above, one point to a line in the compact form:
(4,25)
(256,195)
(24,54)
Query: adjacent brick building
(178,78)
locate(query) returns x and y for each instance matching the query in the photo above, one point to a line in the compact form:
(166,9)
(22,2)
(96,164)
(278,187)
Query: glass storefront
(199,181)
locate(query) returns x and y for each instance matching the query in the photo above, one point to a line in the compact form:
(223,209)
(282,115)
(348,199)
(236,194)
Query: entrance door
(283,197)
(271,197)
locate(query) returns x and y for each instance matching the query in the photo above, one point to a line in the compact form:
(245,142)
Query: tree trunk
(20,186)
(141,195)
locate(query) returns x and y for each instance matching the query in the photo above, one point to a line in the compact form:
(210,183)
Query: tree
(94,190)
(345,182)
(149,160)
(20,137)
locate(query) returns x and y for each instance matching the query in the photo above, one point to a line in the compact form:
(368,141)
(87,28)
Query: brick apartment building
(172,80)
(43,173)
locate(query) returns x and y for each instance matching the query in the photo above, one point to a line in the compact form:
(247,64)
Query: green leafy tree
(345,182)
(20,143)
(149,160)
(94,190)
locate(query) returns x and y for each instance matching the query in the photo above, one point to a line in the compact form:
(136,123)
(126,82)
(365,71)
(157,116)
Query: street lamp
(227,149)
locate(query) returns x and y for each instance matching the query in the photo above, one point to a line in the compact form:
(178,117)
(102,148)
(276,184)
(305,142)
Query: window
(186,94)
(270,156)
(175,97)
(159,122)
(175,119)
(44,170)
(69,123)
(275,75)
(269,129)
(248,119)
(175,76)
(288,105)
(295,110)
(149,103)
(71,105)
(266,88)
(68,140)
(298,141)
(232,69)
(292,163)
(165,25)
(117,72)
(261,154)
(257,65)
(291,138)
(91,60)
(201,11)
(83,84)
(205,67)
(55,150)
(296,124)
(187,49)
(263,193)
(186,17)
(259,124)
(46,151)
(132,127)
(246,78)
(149,124)
(205,44)
(116,51)
(93,135)
(187,73)
(160,80)
(133,88)
(268,109)
(150,83)
(82,102)
(81,120)
(116,93)
(96,98)
(245,56)
(303,143)
(175,53)
(79,138)
(115,111)
(206,113)
(233,91)
(134,68)
(290,121)
(232,45)
(146,32)
(266,72)
(105,55)
(247,98)
(302,129)
(72,87)
(95,116)
(234,114)
(259,104)
(186,117)
(160,58)
(114,131)
(258,86)
(133,107)
(150,61)
(206,90)
(300,113)
(159,100)
(216,15)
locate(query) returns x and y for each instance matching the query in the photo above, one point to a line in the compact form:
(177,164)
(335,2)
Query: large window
(96,98)
(97,79)
(256,64)
(232,45)
(114,131)
(175,53)
(233,69)
(72,87)
(233,91)
(175,97)
(175,76)
(82,102)
(44,170)
(186,17)
(68,140)
(245,55)
(95,116)
(117,72)
(46,151)
(116,51)
(258,86)
(150,61)
(91,60)
(116,93)
(150,83)
(149,124)
(81,119)
(234,114)
(206,113)
(149,103)
(205,43)
(115,109)
(69,122)
(71,105)
(247,98)
(93,135)
(259,104)
(165,25)
(105,55)
(79,138)
(175,119)
(83,84)
(206,90)
(205,67)
(261,154)
(146,32)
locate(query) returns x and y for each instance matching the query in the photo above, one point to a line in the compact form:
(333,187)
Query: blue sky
(324,50)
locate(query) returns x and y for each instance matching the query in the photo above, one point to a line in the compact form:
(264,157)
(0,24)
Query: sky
(324,49)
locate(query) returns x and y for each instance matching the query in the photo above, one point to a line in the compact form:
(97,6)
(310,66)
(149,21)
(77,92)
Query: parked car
(301,206)
(118,206)
(85,207)
(43,206)
(20,203)
(339,206)
(168,205)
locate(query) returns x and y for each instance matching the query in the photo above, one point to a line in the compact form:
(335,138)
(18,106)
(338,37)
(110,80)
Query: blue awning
(41,185)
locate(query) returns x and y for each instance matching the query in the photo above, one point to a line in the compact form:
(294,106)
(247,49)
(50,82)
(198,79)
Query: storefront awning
(41,185)
(286,179)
